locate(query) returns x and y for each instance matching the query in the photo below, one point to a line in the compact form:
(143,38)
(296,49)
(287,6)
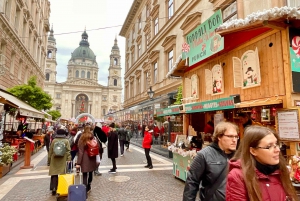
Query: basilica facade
(81,92)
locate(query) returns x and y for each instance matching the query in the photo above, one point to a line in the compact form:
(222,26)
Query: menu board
(288,124)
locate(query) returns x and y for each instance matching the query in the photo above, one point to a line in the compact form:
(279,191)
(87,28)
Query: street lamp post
(150,93)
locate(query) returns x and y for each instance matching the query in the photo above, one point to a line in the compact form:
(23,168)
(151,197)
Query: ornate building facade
(81,93)
(23,41)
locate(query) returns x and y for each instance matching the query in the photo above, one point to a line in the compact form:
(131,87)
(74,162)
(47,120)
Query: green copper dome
(83,51)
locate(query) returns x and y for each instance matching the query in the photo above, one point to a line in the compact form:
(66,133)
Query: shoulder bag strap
(98,138)
(216,185)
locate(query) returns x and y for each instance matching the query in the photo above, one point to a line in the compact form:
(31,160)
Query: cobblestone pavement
(131,182)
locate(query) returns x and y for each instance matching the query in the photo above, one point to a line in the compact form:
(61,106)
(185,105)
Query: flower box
(4,169)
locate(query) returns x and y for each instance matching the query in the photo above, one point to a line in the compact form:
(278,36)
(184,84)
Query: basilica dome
(83,51)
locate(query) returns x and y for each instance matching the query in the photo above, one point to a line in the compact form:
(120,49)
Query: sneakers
(122,155)
(127,148)
(147,166)
(150,167)
(112,171)
(88,188)
(97,173)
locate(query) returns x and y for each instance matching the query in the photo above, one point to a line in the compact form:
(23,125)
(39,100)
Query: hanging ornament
(273,110)
(296,45)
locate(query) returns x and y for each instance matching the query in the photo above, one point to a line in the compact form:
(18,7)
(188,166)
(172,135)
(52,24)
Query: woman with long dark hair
(258,171)
(87,163)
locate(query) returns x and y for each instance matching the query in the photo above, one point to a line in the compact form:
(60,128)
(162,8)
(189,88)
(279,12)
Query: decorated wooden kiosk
(253,64)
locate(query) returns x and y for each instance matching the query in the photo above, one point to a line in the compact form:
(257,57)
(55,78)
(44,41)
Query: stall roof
(239,31)
(24,108)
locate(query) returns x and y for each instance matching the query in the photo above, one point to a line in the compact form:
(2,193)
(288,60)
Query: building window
(140,23)
(139,50)
(146,75)
(115,82)
(170,8)
(58,95)
(83,74)
(12,63)
(133,33)
(88,75)
(115,98)
(83,52)
(131,89)
(47,76)
(132,58)
(17,18)
(147,10)
(230,12)
(138,85)
(170,60)
(156,25)
(147,40)
(115,61)
(104,98)
(155,78)
(20,69)
(77,73)
(49,54)
(103,111)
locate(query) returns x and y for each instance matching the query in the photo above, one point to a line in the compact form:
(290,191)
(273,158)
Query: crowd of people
(72,145)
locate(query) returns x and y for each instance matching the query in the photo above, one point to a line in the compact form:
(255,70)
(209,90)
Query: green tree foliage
(179,96)
(55,114)
(32,94)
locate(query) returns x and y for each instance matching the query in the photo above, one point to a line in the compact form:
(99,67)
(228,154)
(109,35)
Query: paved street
(132,181)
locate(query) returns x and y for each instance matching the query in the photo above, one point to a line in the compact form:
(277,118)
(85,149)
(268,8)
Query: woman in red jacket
(147,141)
(258,171)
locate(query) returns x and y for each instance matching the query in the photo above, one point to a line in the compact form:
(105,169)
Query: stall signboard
(219,104)
(288,125)
(168,111)
(203,40)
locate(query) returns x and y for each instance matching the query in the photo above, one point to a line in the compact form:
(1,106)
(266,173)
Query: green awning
(211,105)
(168,111)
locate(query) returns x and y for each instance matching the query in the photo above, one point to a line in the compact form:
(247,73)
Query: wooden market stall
(248,68)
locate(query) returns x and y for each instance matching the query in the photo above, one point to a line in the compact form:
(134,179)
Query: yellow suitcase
(64,181)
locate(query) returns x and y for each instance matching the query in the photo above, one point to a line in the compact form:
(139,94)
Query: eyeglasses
(232,136)
(270,147)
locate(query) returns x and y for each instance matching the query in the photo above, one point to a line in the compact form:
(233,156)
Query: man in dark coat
(208,170)
(112,146)
(122,138)
(100,135)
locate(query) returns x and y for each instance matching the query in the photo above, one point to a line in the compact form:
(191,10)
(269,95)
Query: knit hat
(112,125)
(98,124)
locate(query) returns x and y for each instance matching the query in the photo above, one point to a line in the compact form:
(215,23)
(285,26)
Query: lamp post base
(27,166)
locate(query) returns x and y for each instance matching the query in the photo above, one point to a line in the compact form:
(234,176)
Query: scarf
(266,169)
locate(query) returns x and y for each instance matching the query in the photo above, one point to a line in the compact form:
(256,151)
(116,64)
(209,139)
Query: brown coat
(87,163)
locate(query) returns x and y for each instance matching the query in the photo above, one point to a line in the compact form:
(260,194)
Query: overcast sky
(107,16)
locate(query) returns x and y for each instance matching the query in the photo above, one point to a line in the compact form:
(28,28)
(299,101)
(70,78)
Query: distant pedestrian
(47,141)
(87,163)
(100,135)
(58,163)
(112,146)
(122,138)
(129,135)
(147,141)
(258,170)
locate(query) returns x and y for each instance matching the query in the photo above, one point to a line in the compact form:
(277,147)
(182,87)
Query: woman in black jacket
(100,135)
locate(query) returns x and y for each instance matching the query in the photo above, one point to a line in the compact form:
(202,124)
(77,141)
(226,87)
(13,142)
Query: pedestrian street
(131,182)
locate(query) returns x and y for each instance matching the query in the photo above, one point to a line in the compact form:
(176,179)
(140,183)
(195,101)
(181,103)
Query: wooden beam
(274,25)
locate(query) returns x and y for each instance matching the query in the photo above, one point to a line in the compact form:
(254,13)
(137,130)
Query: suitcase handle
(67,166)
(80,174)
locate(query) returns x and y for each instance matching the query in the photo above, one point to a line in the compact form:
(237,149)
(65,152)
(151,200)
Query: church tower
(114,77)
(50,71)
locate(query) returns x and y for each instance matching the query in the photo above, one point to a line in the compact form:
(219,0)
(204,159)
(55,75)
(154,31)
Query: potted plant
(6,158)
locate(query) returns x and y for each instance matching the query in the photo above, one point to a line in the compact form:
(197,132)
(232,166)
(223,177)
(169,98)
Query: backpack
(59,148)
(92,147)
